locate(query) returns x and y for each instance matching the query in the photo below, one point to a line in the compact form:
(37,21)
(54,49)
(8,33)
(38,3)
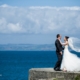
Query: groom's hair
(58,35)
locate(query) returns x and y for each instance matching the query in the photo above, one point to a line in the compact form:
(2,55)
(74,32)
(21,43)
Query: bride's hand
(61,42)
(61,52)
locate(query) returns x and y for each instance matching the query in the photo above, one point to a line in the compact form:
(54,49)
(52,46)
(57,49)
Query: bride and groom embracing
(67,61)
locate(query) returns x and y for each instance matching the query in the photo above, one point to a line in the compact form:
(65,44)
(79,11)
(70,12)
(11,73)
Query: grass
(55,79)
(77,77)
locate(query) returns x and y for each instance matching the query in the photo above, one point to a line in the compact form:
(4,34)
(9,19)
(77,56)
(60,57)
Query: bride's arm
(66,43)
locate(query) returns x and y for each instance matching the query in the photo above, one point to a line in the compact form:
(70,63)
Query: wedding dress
(70,61)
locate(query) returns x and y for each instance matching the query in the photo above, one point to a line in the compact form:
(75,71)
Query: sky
(38,21)
(24,3)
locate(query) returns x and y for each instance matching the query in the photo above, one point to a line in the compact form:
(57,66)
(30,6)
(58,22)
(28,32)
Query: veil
(74,44)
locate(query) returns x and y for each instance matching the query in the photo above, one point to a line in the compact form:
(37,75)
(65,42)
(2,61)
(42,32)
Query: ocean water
(15,65)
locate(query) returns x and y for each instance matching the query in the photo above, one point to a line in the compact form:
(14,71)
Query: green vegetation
(58,79)
(77,77)
(55,79)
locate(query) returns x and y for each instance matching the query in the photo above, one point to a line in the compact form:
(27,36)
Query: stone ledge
(50,74)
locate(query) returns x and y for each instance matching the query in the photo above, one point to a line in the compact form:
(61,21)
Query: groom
(59,49)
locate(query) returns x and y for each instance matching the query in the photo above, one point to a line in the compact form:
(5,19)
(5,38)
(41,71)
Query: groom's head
(58,36)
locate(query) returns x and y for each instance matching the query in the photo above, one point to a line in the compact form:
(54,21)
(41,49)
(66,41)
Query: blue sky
(41,2)
(38,21)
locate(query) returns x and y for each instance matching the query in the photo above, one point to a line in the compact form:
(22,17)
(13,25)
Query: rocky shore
(50,74)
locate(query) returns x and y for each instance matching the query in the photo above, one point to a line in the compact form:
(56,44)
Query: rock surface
(50,74)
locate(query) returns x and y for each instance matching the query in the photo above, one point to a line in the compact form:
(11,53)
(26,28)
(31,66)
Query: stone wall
(50,74)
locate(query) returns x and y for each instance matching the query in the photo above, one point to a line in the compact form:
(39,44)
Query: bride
(70,62)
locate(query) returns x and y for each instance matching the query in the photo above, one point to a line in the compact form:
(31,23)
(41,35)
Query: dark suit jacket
(58,45)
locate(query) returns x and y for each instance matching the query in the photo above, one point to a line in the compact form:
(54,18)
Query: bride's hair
(67,38)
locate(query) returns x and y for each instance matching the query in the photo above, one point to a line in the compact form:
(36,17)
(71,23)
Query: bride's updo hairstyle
(67,38)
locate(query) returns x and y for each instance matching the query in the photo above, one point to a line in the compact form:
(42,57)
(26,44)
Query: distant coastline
(27,47)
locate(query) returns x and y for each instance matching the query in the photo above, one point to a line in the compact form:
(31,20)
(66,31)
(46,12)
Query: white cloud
(4,5)
(56,8)
(39,19)
(15,27)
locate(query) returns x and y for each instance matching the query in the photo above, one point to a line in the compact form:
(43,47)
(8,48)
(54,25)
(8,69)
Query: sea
(15,65)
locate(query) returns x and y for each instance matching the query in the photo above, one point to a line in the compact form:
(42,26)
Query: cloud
(39,20)
(57,8)
(15,27)
(4,5)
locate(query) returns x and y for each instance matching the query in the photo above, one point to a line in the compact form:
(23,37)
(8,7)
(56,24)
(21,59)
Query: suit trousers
(58,63)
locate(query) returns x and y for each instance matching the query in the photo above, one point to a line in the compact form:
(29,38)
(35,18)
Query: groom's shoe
(57,69)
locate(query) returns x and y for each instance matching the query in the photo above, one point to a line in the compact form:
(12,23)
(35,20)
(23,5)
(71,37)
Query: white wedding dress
(70,61)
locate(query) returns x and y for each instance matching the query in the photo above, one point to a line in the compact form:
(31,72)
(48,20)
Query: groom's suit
(59,48)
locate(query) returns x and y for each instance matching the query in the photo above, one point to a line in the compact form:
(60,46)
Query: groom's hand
(61,52)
